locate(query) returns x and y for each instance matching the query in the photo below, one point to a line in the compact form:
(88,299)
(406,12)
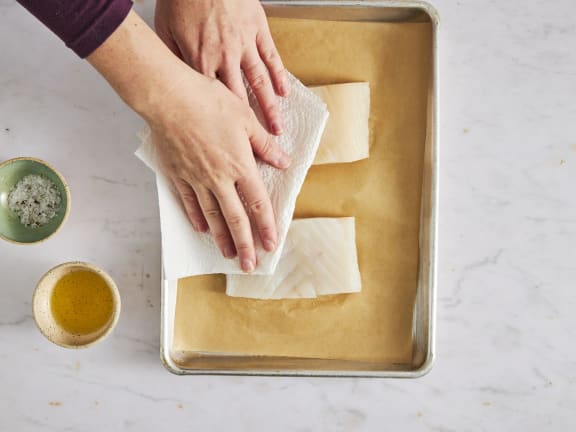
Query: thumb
(265,146)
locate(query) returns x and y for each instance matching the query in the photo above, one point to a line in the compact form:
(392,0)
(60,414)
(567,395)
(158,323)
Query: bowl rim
(66,189)
(109,281)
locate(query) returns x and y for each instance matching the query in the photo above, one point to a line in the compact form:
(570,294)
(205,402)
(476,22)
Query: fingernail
(269,245)
(247,265)
(229,252)
(277,128)
(284,161)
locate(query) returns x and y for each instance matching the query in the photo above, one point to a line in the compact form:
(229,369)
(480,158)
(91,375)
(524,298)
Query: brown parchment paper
(382,192)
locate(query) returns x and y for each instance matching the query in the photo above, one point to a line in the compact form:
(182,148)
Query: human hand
(205,148)
(222,38)
(206,138)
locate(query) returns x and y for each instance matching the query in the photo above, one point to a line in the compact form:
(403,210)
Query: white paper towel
(186,252)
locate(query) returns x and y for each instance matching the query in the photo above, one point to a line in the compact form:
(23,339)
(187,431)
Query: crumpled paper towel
(186,252)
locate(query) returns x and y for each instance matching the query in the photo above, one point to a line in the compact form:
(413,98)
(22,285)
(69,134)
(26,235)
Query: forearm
(139,66)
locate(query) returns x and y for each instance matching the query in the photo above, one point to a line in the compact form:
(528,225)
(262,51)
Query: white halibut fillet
(319,258)
(347,133)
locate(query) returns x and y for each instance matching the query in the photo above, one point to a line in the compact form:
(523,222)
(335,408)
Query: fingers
(239,225)
(265,146)
(191,205)
(230,75)
(230,225)
(225,215)
(215,218)
(271,59)
(259,208)
(259,79)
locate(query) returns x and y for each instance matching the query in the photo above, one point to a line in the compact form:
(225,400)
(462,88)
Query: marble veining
(506,358)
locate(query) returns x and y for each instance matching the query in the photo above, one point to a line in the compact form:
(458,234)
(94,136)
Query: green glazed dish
(11,171)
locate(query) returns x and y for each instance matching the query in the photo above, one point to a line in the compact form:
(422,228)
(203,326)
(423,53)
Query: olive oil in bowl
(76,305)
(82,302)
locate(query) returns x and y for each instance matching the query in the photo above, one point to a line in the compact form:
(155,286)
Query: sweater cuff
(101,28)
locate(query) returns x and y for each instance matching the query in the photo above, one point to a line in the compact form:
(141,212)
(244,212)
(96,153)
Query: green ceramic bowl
(11,172)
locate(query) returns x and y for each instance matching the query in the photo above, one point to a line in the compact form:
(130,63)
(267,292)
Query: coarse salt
(35,199)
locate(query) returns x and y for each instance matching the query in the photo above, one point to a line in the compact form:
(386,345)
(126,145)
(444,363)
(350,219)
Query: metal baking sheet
(424,310)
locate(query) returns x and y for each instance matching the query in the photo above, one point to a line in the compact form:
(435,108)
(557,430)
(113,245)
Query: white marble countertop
(506,356)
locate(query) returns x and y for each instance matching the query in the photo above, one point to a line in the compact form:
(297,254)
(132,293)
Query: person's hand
(205,146)
(221,38)
(206,138)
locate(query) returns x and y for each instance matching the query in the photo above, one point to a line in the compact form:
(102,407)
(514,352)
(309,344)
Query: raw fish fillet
(319,258)
(346,137)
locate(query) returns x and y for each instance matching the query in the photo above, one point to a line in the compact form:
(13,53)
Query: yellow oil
(82,302)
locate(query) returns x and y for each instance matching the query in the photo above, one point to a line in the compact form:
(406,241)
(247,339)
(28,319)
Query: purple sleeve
(83,25)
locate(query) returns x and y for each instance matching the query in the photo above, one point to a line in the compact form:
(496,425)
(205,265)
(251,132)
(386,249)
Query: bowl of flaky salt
(34,200)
